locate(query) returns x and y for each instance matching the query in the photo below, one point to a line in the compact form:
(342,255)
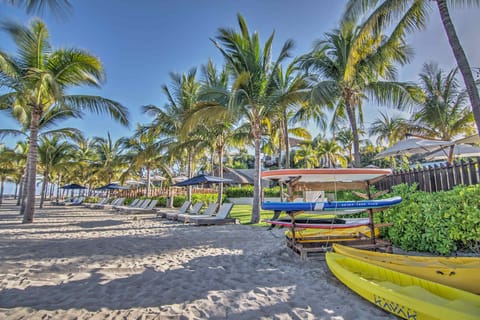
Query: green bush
(247,192)
(239,192)
(441,222)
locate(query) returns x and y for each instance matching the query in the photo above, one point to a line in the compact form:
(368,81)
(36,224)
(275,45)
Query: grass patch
(243,212)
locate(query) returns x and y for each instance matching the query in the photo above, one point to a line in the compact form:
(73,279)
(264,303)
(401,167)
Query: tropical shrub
(247,191)
(441,222)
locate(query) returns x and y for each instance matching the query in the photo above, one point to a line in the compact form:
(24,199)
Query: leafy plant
(441,222)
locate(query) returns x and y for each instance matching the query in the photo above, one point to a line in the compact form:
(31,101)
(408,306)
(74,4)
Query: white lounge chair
(220,218)
(135,203)
(140,205)
(100,202)
(195,210)
(76,202)
(150,208)
(115,202)
(209,212)
(163,212)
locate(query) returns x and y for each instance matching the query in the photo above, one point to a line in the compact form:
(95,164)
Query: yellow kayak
(330,235)
(403,295)
(459,272)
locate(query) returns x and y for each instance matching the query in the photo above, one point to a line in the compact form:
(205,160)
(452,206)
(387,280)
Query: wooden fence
(436,178)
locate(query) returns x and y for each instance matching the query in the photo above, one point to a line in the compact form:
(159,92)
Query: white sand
(75,263)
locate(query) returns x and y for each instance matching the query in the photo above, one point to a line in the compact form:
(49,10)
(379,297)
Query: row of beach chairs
(188,213)
(76,201)
(137,205)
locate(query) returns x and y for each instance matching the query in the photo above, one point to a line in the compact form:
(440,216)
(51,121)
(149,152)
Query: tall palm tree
(293,106)
(414,15)
(39,77)
(253,87)
(445,112)
(182,96)
(351,66)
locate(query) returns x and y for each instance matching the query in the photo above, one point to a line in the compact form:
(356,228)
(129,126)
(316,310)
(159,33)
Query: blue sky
(141,42)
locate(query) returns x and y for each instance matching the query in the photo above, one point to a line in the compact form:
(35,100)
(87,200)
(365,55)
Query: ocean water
(9,188)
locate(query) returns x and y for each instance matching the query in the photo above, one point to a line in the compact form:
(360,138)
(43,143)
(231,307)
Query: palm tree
(293,106)
(388,129)
(414,15)
(31,6)
(169,121)
(39,77)
(86,160)
(345,138)
(351,66)
(306,156)
(332,153)
(144,152)
(445,112)
(7,168)
(53,155)
(254,85)
(110,162)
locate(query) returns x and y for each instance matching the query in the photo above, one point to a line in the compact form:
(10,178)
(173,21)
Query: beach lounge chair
(194,210)
(150,208)
(76,202)
(135,203)
(140,205)
(183,209)
(100,202)
(220,218)
(115,202)
(209,212)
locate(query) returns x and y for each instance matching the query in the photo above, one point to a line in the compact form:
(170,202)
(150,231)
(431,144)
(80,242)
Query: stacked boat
(309,228)
(411,287)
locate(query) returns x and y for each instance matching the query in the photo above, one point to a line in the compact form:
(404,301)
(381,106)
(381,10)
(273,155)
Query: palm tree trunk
(189,174)
(2,184)
(287,142)
(220,174)
(15,196)
(44,189)
(256,175)
(23,198)
(20,191)
(32,166)
(147,191)
(462,60)
(356,140)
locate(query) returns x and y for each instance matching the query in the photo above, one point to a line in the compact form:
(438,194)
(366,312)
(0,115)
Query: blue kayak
(330,205)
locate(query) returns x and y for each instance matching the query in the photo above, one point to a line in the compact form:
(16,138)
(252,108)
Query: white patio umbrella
(412,146)
(459,151)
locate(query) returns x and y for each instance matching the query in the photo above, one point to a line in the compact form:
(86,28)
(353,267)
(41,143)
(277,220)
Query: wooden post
(473,172)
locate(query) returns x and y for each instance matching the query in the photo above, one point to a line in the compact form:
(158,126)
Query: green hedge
(247,192)
(179,200)
(441,222)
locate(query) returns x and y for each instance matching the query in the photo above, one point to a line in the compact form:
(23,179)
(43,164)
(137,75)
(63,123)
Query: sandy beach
(77,263)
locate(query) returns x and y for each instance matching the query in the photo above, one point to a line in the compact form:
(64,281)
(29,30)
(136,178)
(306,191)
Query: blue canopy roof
(72,186)
(201,179)
(112,186)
